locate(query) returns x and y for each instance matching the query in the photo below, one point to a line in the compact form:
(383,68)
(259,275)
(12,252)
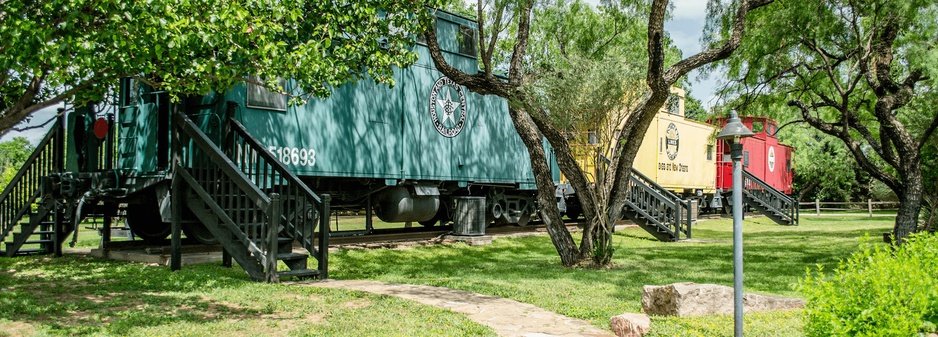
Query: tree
(852,69)
(57,50)
(13,154)
(602,203)
(824,168)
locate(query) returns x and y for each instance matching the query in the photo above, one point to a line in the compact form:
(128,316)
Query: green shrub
(877,292)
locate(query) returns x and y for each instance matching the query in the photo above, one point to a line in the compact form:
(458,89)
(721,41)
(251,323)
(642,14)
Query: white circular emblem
(771,159)
(671,141)
(443,107)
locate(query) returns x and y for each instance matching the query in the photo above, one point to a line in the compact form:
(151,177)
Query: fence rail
(869,205)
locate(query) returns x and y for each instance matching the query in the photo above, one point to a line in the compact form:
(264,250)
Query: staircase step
(24,252)
(280,240)
(30,242)
(292,256)
(26,226)
(300,273)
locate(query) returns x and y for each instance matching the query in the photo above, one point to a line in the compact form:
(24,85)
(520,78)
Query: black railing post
(58,166)
(679,213)
(109,147)
(692,205)
(324,214)
(273,230)
(175,261)
(176,196)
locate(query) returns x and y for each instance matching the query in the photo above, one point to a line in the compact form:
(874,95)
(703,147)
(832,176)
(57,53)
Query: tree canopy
(66,50)
(510,23)
(13,153)
(853,70)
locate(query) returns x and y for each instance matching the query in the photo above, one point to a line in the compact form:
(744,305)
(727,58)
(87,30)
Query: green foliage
(588,63)
(13,154)
(861,71)
(693,107)
(823,162)
(78,49)
(876,292)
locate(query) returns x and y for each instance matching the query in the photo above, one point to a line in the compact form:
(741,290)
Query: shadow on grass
(528,269)
(80,295)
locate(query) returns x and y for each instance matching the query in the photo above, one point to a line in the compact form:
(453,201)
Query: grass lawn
(528,270)
(76,295)
(85,296)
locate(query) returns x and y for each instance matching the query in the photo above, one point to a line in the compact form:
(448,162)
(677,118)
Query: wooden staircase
(256,208)
(28,215)
(657,210)
(771,202)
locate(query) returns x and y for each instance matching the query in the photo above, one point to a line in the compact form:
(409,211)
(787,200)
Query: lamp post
(733,131)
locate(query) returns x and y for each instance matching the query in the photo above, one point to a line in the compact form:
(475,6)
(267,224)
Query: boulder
(630,325)
(691,299)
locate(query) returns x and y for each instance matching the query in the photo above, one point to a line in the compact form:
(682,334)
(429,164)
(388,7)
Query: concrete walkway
(507,317)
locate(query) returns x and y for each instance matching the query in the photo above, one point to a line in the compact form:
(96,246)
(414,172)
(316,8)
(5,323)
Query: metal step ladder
(27,220)
(250,202)
(769,201)
(656,210)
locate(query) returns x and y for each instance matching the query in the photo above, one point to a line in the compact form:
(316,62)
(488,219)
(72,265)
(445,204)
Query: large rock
(691,299)
(630,325)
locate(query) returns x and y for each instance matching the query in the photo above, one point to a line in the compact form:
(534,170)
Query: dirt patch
(11,329)
(357,304)
(301,297)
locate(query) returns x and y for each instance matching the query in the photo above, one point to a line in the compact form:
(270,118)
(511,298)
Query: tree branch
(477,83)
(928,133)
(851,144)
(521,44)
(715,54)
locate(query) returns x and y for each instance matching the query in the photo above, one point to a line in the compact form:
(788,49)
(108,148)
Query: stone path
(507,317)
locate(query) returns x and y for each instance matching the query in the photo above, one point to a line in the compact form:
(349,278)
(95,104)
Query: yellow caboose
(677,153)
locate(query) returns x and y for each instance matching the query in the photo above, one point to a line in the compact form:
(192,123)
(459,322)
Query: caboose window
(709,152)
(757,127)
(788,165)
(745,158)
(467,41)
(259,97)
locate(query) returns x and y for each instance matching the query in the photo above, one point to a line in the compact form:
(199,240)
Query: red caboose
(763,156)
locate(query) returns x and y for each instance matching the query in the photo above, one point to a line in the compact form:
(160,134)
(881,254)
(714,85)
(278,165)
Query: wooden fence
(869,205)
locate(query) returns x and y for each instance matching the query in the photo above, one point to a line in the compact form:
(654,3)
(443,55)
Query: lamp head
(734,129)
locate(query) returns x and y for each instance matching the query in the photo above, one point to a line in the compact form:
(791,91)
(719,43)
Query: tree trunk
(910,202)
(546,203)
(804,191)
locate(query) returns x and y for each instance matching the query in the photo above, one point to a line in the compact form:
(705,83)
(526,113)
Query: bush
(877,292)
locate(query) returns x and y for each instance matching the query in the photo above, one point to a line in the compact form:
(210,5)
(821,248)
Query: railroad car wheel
(524,219)
(573,215)
(146,223)
(196,230)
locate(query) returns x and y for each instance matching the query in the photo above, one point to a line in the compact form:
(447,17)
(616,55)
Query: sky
(33,135)
(685,28)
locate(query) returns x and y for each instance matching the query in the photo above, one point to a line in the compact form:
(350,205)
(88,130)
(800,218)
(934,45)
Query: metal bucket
(470,216)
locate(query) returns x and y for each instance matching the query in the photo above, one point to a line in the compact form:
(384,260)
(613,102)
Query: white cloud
(690,9)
